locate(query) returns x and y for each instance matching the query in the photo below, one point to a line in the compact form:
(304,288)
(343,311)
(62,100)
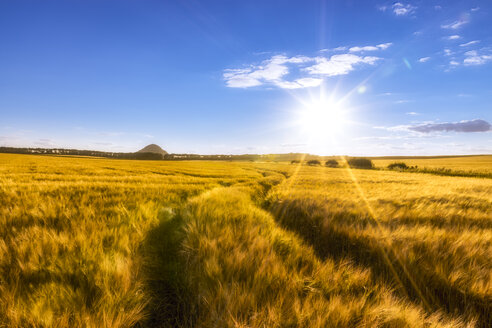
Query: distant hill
(153,148)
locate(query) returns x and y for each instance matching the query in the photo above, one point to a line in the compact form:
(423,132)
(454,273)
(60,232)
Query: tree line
(156,156)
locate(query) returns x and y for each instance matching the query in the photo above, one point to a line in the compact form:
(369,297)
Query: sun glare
(322,119)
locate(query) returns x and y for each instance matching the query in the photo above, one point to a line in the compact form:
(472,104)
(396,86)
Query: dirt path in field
(169,298)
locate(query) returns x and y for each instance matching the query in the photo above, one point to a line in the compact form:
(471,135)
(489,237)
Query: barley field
(473,166)
(93,242)
(479,163)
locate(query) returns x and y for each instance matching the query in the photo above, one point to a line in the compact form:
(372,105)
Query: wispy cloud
(453,37)
(469,43)
(381,46)
(465,19)
(476,125)
(403,101)
(412,113)
(340,49)
(424,59)
(334,49)
(473,58)
(310,70)
(241,78)
(400,9)
(44,142)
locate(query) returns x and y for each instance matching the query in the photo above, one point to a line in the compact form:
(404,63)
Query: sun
(322,119)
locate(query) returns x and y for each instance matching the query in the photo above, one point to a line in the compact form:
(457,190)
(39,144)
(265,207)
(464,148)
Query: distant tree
(313,162)
(331,163)
(295,161)
(360,163)
(398,166)
(149,156)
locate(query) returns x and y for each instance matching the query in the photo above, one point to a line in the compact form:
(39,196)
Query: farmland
(90,242)
(460,163)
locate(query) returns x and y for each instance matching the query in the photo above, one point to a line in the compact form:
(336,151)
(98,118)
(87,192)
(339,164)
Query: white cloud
(400,9)
(453,37)
(453,63)
(240,78)
(339,64)
(469,43)
(412,113)
(447,52)
(337,49)
(310,70)
(382,46)
(366,48)
(437,7)
(340,49)
(457,24)
(271,70)
(424,59)
(475,9)
(474,58)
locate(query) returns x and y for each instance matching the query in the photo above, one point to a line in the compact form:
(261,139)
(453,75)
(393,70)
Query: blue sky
(326,77)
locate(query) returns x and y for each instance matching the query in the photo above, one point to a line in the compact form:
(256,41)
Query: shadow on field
(409,280)
(169,304)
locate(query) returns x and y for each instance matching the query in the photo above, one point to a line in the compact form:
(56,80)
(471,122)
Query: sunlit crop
(88,242)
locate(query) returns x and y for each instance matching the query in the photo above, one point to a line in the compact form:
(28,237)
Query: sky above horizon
(234,77)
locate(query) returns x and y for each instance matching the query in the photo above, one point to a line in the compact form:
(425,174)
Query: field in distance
(478,163)
(90,242)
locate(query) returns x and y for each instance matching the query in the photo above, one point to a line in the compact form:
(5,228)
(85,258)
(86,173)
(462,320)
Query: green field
(91,242)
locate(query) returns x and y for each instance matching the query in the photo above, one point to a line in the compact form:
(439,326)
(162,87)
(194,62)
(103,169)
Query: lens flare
(407,63)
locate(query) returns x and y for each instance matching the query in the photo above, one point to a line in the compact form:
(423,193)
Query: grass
(430,238)
(71,231)
(88,242)
(242,270)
